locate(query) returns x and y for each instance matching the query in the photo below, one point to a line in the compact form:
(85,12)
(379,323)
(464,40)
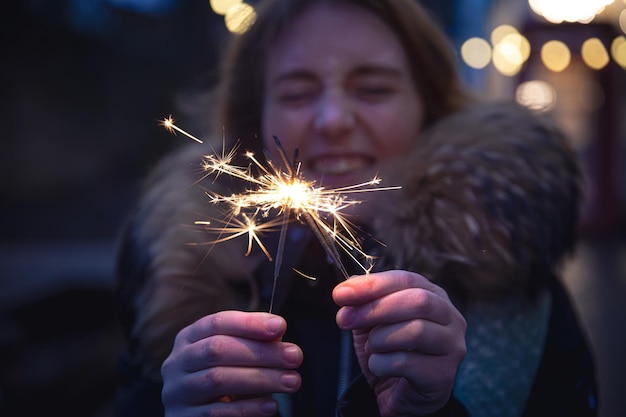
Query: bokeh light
(536,95)
(618,51)
(503,64)
(500,32)
(622,20)
(239,18)
(476,52)
(555,55)
(557,11)
(594,54)
(222,6)
(510,54)
(520,44)
(510,49)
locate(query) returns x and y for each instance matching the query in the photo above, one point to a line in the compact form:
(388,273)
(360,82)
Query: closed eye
(296,88)
(298,96)
(373,92)
(374,83)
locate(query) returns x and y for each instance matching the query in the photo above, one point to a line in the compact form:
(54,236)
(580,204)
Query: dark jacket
(488,211)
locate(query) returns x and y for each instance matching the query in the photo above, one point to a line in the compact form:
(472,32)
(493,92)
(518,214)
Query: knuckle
(166,367)
(421,296)
(212,349)
(213,380)
(416,329)
(463,322)
(212,322)
(423,300)
(182,336)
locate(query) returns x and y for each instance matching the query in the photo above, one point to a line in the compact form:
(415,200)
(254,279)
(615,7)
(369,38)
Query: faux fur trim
(489,202)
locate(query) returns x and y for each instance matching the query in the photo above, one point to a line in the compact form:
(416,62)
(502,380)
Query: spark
(277,196)
(168,123)
(240,226)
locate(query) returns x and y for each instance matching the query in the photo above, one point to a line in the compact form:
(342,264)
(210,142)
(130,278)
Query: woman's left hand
(409,339)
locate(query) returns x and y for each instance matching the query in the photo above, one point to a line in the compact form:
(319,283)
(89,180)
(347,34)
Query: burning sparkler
(278,196)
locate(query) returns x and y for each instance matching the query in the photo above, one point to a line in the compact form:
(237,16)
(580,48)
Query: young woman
(463,314)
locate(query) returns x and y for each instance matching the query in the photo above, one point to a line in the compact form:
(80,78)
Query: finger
(222,350)
(265,406)
(406,304)
(421,370)
(420,336)
(261,406)
(261,326)
(363,288)
(214,383)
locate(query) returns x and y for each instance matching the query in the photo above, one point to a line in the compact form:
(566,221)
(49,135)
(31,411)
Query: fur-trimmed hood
(488,203)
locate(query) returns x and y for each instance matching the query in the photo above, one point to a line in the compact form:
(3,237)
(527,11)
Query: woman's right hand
(229,364)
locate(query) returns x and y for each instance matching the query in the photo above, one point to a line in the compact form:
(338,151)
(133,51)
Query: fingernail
(269,407)
(346,317)
(342,293)
(273,325)
(292,354)
(290,380)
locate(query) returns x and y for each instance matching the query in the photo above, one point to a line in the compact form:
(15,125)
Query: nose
(335,115)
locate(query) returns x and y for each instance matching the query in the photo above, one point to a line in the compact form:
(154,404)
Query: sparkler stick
(288,194)
(285,221)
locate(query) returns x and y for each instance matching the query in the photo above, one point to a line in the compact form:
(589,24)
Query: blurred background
(85,82)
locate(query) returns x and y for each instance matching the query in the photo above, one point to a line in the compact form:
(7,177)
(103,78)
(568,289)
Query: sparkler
(278,196)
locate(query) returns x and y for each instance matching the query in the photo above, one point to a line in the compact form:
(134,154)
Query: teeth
(338,166)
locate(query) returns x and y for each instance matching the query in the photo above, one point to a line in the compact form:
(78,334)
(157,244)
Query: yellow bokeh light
(503,63)
(594,53)
(555,55)
(222,6)
(510,49)
(618,51)
(476,52)
(501,32)
(239,18)
(510,53)
(518,43)
(622,20)
(536,95)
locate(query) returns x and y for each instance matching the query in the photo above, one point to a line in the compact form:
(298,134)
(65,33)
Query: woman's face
(338,88)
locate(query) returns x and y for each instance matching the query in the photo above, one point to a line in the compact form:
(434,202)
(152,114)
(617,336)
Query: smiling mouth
(340,165)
